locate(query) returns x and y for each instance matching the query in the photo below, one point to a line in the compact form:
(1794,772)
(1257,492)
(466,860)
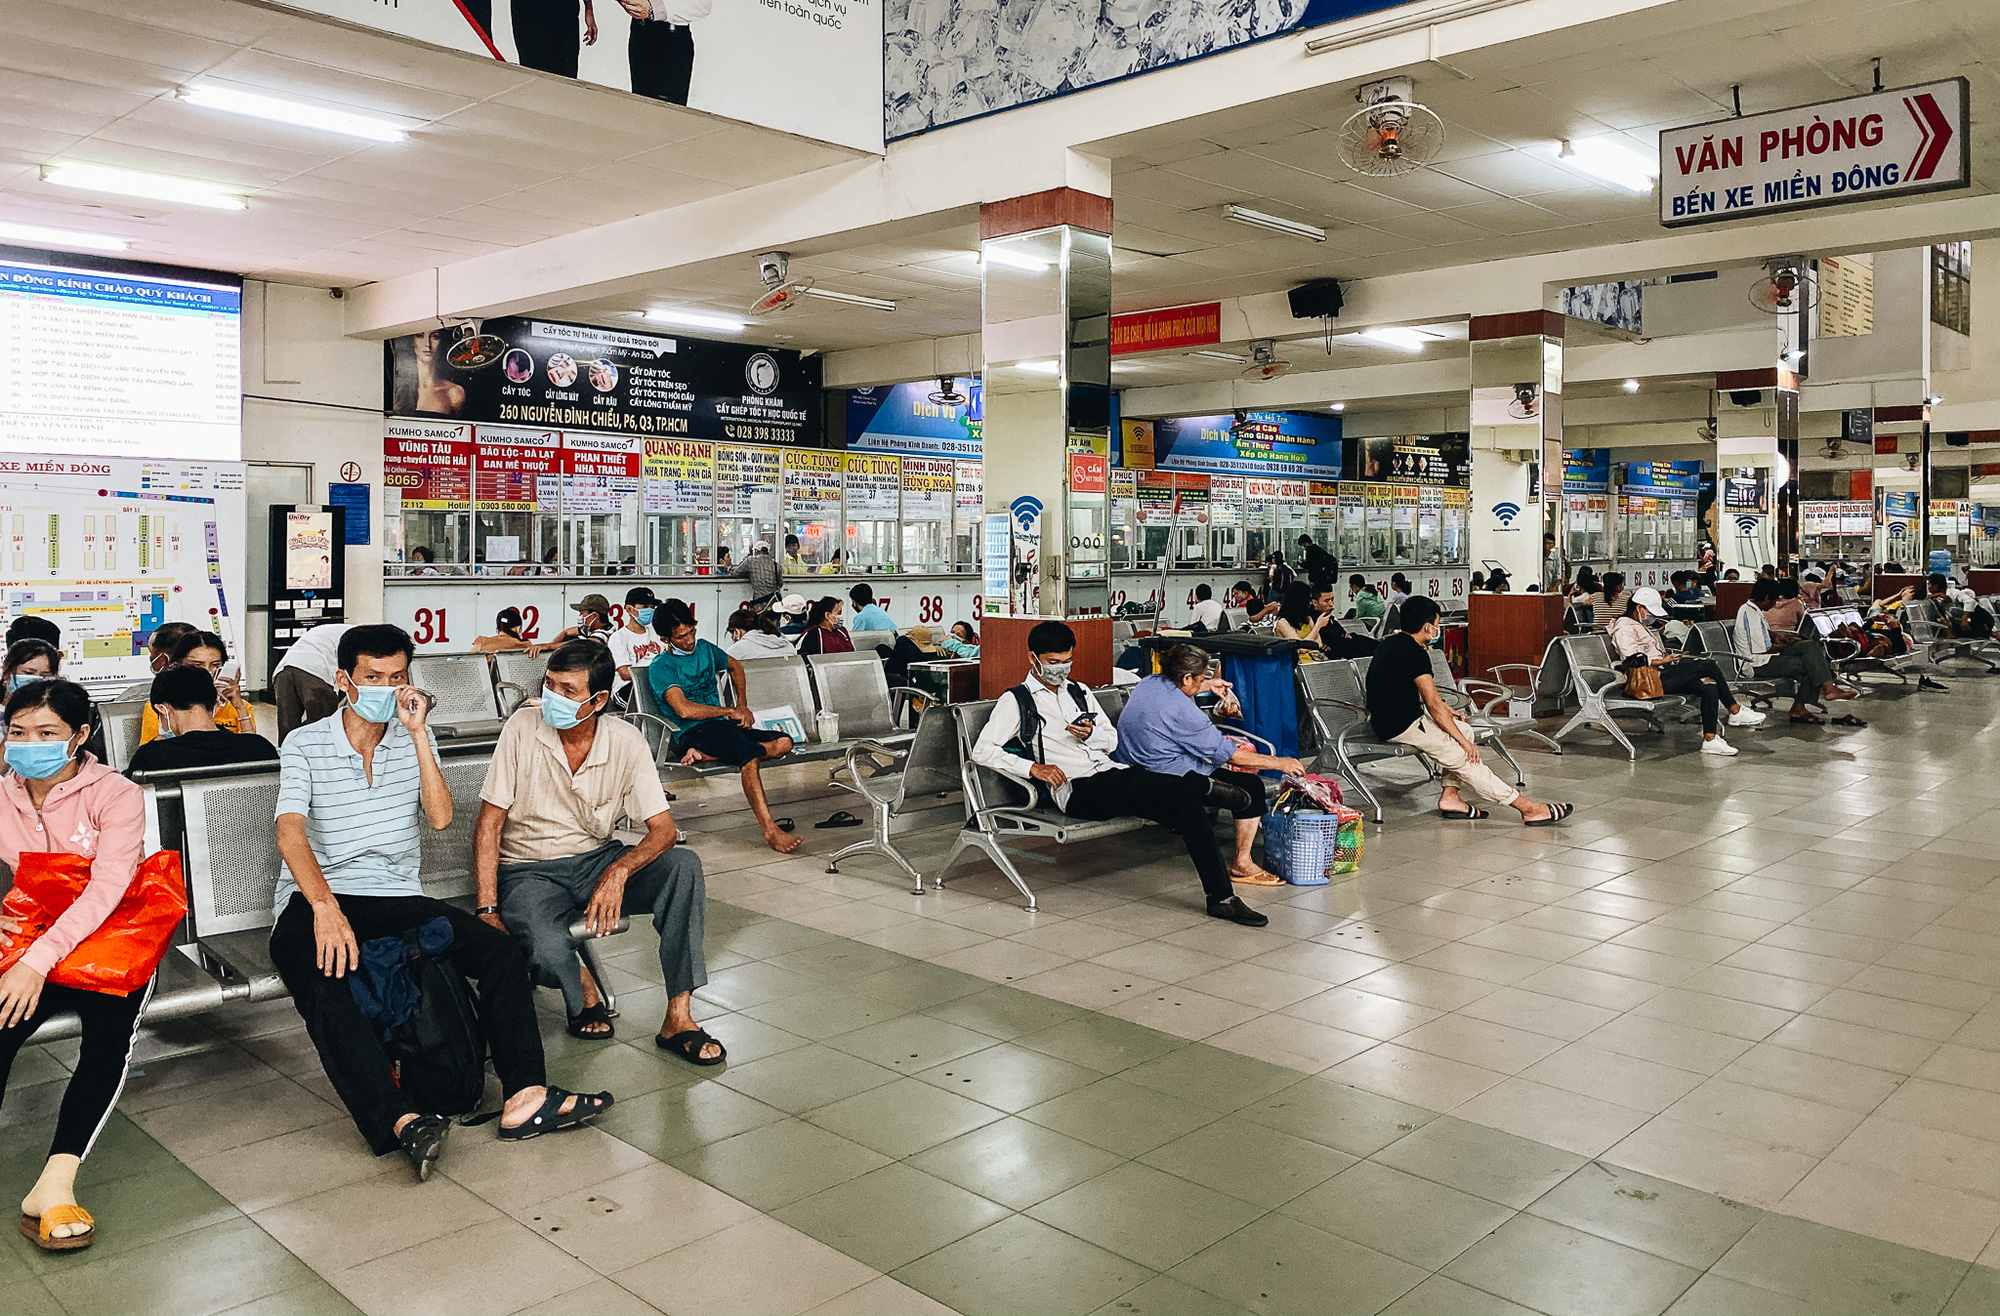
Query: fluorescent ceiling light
(1403,340)
(61,237)
(1046,367)
(728,324)
(1011,259)
(1631,386)
(1337,406)
(1220,356)
(852,299)
(129,182)
(1275,223)
(211,97)
(1606,159)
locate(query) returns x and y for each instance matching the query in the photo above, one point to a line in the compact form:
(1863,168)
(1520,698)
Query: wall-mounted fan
(470,349)
(1264,362)
(947,394)
(1393,135)
(1527,403)
(780,292)
(1786,288)
(1832,450)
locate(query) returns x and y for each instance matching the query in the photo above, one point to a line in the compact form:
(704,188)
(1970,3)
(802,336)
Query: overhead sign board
(1861,148)
(1159,331)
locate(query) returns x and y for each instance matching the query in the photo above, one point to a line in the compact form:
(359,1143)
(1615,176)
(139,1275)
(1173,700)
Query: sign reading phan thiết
(1860,148)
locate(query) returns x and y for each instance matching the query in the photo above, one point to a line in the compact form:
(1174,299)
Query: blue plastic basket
(1311,849)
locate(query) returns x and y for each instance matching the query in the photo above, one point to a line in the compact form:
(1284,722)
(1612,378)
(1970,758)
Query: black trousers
(662,58)
(353,1056)
(1691,676)
(546,35)
(1176,802)
(301,698)
(110,1025)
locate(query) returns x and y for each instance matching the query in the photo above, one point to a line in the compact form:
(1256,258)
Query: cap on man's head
(1649,599)
(596,603)
(641,596)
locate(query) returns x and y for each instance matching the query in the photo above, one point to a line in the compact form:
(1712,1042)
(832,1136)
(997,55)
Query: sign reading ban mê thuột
(1862,148)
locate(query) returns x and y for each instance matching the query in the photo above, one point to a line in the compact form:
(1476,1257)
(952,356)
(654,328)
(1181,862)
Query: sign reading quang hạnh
(1861,148)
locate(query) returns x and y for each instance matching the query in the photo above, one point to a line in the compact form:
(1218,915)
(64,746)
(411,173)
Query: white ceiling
(499,155)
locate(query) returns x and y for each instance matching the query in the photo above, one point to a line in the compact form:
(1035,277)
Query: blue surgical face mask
(19,679)
(374,703)
(38,759)
(560,711)
(166,731)
(644,616)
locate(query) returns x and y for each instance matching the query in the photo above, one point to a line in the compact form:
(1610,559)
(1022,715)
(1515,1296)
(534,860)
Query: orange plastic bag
(121,955)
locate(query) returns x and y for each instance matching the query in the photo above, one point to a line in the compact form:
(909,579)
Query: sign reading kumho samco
(1883,144)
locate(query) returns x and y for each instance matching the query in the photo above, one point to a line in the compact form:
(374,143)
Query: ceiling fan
(1787,286)
(946,394)
(1264,362)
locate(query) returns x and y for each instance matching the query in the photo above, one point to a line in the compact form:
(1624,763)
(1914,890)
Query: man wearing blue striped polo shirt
(350,789)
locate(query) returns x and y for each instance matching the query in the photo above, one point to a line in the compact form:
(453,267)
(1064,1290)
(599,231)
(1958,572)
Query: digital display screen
(96,359)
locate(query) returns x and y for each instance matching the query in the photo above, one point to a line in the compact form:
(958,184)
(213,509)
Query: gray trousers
(539,901)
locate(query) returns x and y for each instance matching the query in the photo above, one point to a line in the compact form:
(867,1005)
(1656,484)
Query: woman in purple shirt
(1164,730)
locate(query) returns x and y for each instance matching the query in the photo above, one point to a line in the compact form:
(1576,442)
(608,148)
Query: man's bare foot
(1836,692)
(592,997)
(782,842)
(521,1107)
(1253,875)
(1535,812)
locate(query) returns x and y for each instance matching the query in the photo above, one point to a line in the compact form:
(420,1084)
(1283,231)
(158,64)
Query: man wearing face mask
(1051,732)
(353,789)
(184,699)
(159,656)
(544,857)
(635,642)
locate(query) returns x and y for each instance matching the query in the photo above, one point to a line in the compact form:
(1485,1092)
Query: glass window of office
(1124,519)
(746,503)
(1225,521)
(1403,523)
(1190,520)
(872,501)
(967,529)
(1377,502)
(516,490)
(427,501)
(600,503)
(929,498)
(1260,519)
(812,509)
(1155,516)
(1430,526)
(1454,546)
(1323,515)
(678,503)
(1292,515)
(1350,513)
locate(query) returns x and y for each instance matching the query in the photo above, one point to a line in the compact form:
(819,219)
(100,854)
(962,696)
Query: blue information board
(352,499)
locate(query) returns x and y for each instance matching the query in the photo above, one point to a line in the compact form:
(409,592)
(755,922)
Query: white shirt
(1076,758)
(681,11)
(1753,634)
(629,648)
(1207,612)
(317,652)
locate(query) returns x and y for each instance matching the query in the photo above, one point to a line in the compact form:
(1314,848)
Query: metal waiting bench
(899,787)
(467,705)
(1932,635)
(1335,697)
(1596,684)
(1848,657)
(1717,641)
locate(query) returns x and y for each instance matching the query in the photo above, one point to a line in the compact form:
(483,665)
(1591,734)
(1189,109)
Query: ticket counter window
(1225,546)
(447,536)
(926,549)
(679,544)
(514,543)
(735,536)
(1191,545)
(1375,530)
(965,541)
(818,542)
(872,546)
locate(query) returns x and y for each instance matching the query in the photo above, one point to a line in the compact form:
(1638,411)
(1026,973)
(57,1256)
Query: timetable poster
(524,371)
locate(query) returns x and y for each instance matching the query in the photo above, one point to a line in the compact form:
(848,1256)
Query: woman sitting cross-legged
(1632,636)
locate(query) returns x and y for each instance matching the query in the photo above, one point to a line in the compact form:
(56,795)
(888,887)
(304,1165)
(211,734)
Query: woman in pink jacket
(56,797)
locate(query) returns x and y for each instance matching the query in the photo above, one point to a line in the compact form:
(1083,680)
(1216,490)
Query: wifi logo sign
(1746,524)
(1506,512)
(1026,511)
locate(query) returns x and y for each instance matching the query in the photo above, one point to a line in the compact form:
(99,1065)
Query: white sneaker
(1746,718)
(1718,746)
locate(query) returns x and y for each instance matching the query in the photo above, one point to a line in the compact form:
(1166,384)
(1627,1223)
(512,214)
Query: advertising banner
(1225,500)
(1740,495)
(1857,518)
(1323,501)
(970,479)
(1135,438)
(810,67)
(599,471)
(1262,442)
(1859,148)
(902,418)
(874,485)
(812,485)
(1665,479)
(1291,509)
(569,377)
(746,481)
(1587,470)
(1191,493)
(509,466)
(309,550)
(427,466)
(680,476)
(928,488)
(1162,330)
(1156,498)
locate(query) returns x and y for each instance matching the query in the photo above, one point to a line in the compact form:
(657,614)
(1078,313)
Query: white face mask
(1053,674)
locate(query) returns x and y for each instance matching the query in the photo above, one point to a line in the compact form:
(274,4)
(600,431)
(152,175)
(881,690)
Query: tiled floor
(1728,1042)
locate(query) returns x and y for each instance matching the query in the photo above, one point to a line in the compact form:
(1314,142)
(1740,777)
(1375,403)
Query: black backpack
(1027,741)
(440,1050)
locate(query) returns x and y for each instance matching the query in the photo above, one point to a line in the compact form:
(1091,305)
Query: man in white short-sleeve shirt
(635,642)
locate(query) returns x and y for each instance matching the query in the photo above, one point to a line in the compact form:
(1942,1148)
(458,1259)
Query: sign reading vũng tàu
(1862,148)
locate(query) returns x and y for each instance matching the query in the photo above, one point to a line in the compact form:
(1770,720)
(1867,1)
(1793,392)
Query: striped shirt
(367,838)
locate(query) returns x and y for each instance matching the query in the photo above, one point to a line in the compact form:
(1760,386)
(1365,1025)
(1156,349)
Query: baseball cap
(793,605)
(1650,600)
(596,603)
(642,596)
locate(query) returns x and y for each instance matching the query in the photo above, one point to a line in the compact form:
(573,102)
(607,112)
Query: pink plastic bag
(1323,791)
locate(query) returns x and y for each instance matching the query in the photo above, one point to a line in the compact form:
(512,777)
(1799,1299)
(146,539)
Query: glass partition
(1260,519)
(1225,521)
(969,479)
(1403,522)
(1352,513)
(1430,515)
(1453,543)
(1123,526)
(1378,543)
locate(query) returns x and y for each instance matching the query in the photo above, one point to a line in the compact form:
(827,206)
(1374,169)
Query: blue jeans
(538,902)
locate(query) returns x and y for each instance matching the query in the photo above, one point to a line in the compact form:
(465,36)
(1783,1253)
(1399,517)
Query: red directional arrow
(1937,135)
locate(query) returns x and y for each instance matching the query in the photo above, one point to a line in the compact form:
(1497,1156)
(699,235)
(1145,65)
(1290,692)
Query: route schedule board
(119,364)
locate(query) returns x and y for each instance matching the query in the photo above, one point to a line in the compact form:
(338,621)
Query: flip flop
(1848,720)
(784,824)
(1262,877)
(1464,815)
(687,1045)
(840,819)
(36,1228)
(1557,812)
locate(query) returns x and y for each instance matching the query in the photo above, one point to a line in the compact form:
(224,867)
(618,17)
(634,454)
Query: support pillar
(1516,488)
(1756,450)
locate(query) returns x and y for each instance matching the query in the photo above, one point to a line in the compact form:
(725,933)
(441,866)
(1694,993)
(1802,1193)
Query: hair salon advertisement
(810,67)
(548,374)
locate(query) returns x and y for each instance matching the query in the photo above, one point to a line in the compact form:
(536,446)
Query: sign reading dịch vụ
(1861,148)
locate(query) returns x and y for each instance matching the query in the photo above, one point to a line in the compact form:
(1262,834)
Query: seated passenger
(1607,604)
(1368,604)
(157,644)
(1399,588)
(790,614)
(961,641)
(1800,658)
(58,797)
(29,661)
(302,686)
(352,789)
(1632,636)
(636,641)
(753,635)
(593,622)
(507,628)
(1788,615)
(1164,730)
(1319,625)
(1244,595)
(1063,748)
(1207,614)
(823,632)
(686,679)
(868,614)
(1404,706)
(182,705)
(206,650)
(562,776)
(1812,584)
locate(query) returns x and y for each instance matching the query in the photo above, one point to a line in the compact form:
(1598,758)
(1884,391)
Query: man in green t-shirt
(685,677)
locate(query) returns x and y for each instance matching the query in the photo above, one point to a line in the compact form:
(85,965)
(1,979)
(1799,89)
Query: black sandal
(1848,720)
(422,1140)
(687,1045)
(840,819)
(592,1014)
(784,824)
(1557,812)
(552,1118)
(1807,721)
(1467,814)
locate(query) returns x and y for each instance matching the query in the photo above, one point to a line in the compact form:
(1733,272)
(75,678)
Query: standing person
(158,644)
(1278,577)
(687,681)
(868,614)
(823,632)
(182,704)
(1321,567)
(543,854)
(58,798)
(545,35)
(1051,732)
(206,650)
(661,46)
(1632,636)
(1800,658)
(636,641)
(303,684)
(766,578)
(1163,730)
(352,789)
(1404,706)
(793,561)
